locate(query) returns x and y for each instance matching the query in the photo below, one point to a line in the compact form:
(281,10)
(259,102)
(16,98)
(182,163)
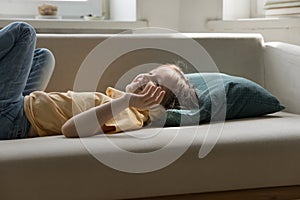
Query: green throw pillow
(221,97)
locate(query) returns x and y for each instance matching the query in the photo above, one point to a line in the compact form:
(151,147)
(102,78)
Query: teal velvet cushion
(222,97)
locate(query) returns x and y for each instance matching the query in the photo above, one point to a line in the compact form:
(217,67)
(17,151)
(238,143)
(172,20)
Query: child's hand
(150,96)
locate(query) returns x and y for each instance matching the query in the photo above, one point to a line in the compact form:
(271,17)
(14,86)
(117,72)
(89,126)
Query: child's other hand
(150,96)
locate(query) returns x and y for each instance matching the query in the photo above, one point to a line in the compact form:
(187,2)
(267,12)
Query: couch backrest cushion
(236,54)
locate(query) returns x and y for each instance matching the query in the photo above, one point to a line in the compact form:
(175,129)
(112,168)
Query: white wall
(233,9)
(193,15)
(179,15)
(159,13)
(122,10)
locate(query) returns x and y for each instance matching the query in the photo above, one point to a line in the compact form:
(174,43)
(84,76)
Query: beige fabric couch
(249,153)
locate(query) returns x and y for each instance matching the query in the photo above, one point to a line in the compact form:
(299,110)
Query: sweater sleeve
(129,119)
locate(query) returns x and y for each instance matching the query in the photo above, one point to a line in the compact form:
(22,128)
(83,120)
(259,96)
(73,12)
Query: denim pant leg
(17,44)
(41,71)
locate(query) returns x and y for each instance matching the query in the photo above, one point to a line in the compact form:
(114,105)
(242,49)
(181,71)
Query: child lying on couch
(27,111)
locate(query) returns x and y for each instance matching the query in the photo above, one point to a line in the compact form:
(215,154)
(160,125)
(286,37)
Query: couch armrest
(282,71)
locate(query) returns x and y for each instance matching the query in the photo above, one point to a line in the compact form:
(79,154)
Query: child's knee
(47,56)
(24,28)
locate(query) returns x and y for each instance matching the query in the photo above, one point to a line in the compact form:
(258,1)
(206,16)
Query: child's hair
(184,96)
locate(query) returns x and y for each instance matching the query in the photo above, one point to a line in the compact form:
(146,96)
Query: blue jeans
(23,69)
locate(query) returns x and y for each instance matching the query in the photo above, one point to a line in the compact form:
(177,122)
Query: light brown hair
(184,96)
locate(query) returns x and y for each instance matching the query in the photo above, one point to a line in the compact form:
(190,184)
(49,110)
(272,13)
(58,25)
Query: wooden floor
(280,193)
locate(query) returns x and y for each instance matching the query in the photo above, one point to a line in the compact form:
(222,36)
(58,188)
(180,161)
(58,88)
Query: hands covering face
(148,97)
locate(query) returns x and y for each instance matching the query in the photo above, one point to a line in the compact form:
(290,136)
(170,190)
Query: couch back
(236,54)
